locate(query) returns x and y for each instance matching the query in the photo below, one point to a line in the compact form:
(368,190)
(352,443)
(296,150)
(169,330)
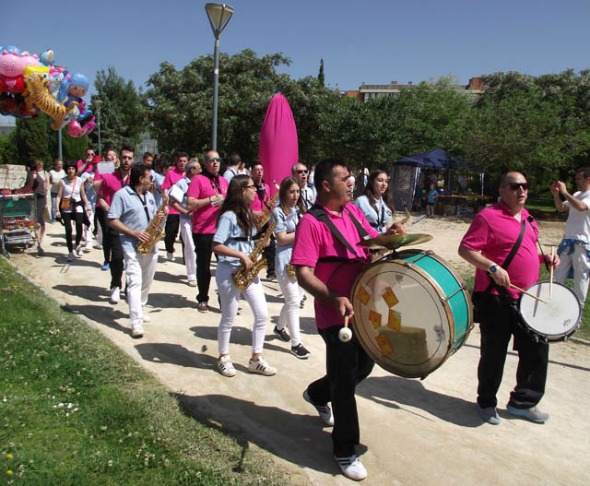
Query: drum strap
(510,256)
(320,214)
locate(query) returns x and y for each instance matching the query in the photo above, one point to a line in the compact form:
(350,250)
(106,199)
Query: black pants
(269,254)
(347,364)
(116,265)
(67,219)
(101,215)
(203,250)
(171,230)
(498,324)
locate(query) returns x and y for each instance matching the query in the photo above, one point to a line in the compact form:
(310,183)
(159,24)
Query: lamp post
(219,15)
(97,103)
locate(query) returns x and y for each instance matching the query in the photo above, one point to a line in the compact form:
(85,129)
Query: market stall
(17,221)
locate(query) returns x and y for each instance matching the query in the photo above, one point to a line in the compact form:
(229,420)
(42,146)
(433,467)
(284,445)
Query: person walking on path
(233,244)
(502,244)
(132,210)
(574,249)
(71,204)
(173,221)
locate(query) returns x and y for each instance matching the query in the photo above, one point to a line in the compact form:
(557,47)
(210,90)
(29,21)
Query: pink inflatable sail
(279,148)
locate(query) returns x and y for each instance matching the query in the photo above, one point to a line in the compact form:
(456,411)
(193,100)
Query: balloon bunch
(31,83)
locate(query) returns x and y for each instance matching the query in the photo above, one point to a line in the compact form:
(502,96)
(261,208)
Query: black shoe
(300,352)
(282,334)
(270,276)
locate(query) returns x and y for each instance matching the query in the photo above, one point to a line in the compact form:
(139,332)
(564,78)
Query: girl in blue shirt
(377,202)
(233,244)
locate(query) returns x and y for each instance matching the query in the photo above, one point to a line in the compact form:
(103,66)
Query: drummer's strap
(511,255)
(320,214)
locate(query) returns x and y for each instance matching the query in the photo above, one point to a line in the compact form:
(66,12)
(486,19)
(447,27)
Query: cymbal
(392,242)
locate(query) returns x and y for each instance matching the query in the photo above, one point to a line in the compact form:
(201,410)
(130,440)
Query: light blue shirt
(288,223)
(158,179)
(89,188)
(230,234)
(378,219)
(128,207)
(183,184)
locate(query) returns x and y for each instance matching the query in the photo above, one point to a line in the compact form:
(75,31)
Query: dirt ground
(413,432)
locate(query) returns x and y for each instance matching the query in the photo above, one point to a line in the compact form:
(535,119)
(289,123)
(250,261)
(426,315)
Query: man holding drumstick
(317,254)
(501,244)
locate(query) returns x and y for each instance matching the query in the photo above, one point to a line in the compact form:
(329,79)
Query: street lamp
(219,15)
(97,103)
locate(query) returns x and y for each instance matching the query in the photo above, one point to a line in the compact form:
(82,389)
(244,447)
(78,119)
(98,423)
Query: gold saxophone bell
(154,230)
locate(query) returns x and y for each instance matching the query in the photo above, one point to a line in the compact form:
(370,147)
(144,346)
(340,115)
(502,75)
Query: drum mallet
(527,293)
(345,334)
(551,271)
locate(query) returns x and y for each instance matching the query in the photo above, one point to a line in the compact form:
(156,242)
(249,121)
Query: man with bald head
(501,244)
(308,194)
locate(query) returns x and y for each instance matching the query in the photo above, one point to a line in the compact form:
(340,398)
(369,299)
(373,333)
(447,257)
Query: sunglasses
(515,186)
(213,159)
(302,171)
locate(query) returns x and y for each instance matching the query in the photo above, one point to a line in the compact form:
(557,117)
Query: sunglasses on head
(515,186)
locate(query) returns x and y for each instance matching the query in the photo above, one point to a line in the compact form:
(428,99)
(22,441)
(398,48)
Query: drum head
(555,319)
(401,319)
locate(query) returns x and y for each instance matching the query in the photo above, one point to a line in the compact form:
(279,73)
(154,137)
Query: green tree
(122,113)
(31,137)
(8,152)
(321,77)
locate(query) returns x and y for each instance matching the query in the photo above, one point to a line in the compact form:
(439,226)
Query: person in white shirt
(308,193)
(575,247)
(55,175)
(376,202)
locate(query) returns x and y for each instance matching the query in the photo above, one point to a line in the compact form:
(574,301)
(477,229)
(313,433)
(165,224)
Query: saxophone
(290,269)
(242,278)
(154,230)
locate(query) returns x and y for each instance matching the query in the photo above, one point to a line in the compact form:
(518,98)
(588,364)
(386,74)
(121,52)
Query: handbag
(66,202)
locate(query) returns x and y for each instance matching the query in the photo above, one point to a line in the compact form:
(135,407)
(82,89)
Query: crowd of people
(307,236)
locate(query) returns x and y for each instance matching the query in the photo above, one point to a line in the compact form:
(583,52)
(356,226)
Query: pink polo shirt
(110,184)
(494,232)
(205,218)
(172,178)
(314,240)
(258,204)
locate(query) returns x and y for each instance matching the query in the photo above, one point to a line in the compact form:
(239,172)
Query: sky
(365,41)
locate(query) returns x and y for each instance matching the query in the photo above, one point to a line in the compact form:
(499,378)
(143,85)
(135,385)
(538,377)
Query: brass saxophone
(242,278)
(290,269)
(154,230)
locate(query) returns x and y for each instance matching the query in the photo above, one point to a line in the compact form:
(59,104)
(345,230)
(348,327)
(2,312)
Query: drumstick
(551,271)
(527,293)
(345,334)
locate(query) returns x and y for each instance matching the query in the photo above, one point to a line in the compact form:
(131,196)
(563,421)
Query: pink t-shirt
(89,167)
(172,178)
(110,184)
(258,204)
(494,232)
(314,240)
(205,218)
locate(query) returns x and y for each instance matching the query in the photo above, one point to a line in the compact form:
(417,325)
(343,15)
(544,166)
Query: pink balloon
(279,147)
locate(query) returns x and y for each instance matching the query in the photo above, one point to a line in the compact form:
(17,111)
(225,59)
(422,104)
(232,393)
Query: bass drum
(411,313)
(556,318)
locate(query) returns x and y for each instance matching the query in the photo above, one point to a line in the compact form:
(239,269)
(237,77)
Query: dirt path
(413,432)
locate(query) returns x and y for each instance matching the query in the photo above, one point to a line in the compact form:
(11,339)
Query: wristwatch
(493,268)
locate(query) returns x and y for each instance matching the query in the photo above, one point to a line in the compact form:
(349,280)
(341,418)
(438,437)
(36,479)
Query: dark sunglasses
(213,159)
(515,186)
(302,171)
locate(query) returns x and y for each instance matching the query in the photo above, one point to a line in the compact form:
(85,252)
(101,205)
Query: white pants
(229,295)
(139,276)
(581,266)
(289,315)
(190,258)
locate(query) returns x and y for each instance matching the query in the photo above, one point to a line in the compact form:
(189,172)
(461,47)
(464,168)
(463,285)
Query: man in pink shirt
(88,164)
(326,268)
(205,195)
(173,220)
(488,243)
(110,184)
(260,206)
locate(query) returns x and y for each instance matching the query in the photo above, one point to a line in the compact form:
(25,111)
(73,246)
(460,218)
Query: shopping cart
(17,221)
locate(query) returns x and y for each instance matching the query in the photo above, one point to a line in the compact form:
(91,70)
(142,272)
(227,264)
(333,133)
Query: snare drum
(555,319)
(412,313)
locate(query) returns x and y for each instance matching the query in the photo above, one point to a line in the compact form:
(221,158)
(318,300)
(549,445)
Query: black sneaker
(282,334)
(300,352)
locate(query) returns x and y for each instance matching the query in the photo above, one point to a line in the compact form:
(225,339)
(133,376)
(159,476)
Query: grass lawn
(75,410)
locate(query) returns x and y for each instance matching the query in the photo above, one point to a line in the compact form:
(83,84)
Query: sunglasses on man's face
(302,171)
(213,159)
(515,186)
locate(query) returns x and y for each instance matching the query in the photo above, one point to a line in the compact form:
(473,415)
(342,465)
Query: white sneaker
(98,246)
(88,247)
(115,295)
(70,257)
(78,251)
(146,317)
(192,283)
(169,256)
(352,468)
(137,331)
(225,366)
(261,367)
